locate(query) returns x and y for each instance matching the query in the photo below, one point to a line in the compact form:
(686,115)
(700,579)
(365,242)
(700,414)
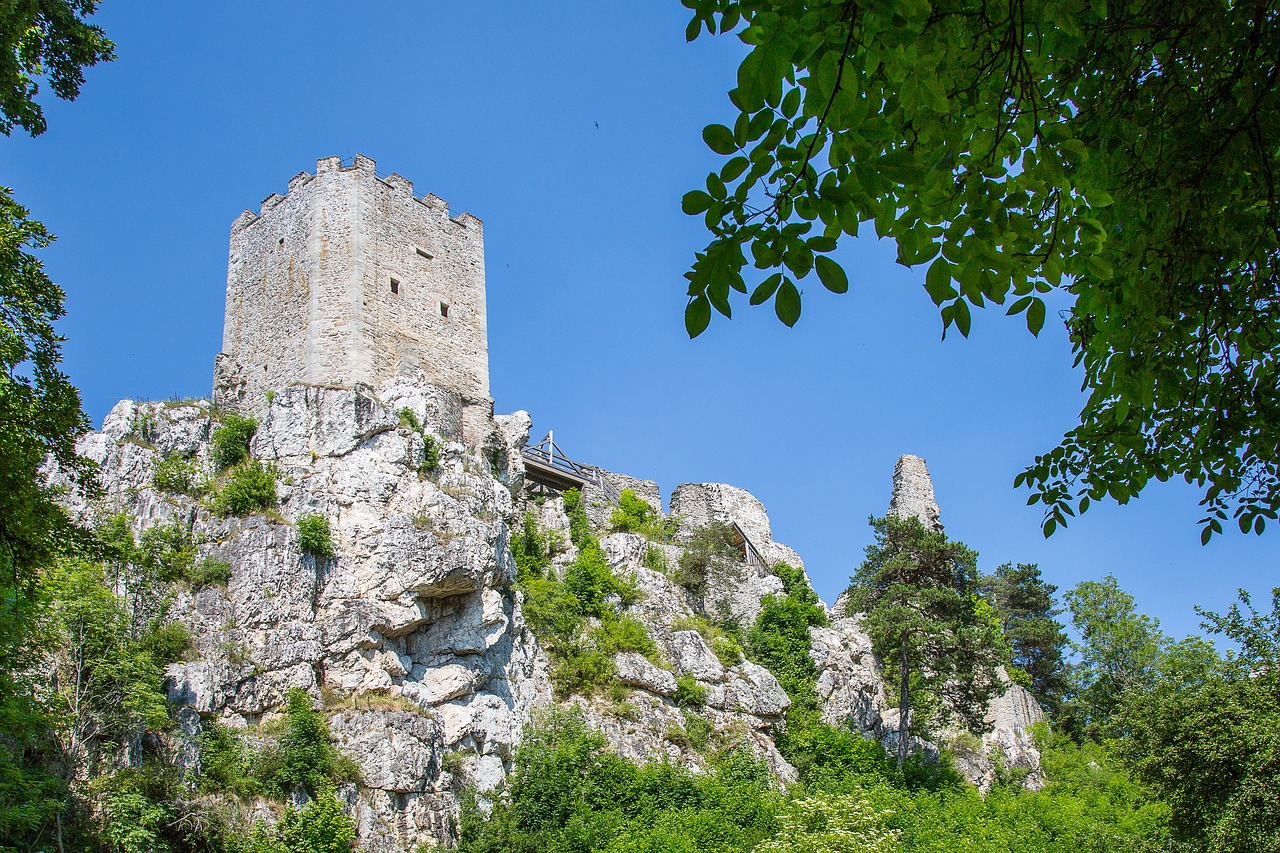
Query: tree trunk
(904,705)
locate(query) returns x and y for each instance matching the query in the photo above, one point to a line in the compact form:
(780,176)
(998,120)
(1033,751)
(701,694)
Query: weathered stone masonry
(349,280)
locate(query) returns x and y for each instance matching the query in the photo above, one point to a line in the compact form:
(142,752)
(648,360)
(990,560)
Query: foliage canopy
(1121,153)
(47,39)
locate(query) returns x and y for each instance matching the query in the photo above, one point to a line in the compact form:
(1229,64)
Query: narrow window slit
(444,310)
(395,285)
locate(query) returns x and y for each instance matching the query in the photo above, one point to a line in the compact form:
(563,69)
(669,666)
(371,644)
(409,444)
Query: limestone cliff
(413,635)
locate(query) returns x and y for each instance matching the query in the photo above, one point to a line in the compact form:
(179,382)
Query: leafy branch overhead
(1123,154)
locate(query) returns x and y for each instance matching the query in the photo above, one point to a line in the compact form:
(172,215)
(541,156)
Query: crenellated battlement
(365,166)
(347,279)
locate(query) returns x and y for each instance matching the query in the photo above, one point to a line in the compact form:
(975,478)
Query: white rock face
(913,493)
(414,632)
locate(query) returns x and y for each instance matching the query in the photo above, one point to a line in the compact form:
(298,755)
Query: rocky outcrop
(913,493)
(851,688)
(414,632)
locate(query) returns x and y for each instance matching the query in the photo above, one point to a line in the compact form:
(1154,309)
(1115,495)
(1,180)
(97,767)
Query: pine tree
(916,589)
(1024,604)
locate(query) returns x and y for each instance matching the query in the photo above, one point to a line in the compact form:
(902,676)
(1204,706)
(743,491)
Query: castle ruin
(350,280)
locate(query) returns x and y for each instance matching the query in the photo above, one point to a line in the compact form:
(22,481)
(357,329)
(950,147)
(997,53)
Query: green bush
(409,420)
(231,440)
(167,550)
(533,549)
(319,827)
(430,444)
(634,515)
(581,668)
(568,791)
(689,693)
(178,475)
(430,453)
(227,762)
(709,548)
(625,634)
(579,524)
(698,729)
(210,572)
(655,560)
(728,650)
(249,487)
(722,642)
(591,581)
(314,537)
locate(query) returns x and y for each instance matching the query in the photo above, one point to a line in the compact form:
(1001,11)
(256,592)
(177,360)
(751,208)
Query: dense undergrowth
(580,618)
(569,793)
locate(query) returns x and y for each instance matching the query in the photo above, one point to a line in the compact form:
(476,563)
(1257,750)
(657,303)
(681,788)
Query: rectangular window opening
(281,241)
(444,310)
(395,284)
(423,252)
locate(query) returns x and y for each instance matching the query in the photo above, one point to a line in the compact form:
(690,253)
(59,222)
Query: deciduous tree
(1124,153)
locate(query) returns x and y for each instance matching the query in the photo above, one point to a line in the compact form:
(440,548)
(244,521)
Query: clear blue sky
(211,107)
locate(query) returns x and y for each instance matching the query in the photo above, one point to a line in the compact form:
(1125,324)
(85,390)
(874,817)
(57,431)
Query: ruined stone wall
(350,279)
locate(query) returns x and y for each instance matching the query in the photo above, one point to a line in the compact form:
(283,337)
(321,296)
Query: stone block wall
(350,279)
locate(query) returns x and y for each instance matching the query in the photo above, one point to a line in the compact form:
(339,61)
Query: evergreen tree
(917,588)
(1024,604)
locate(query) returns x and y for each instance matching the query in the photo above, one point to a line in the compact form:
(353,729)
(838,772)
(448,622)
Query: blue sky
(572,129)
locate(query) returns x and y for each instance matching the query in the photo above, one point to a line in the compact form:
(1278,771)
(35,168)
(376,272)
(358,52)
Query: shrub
(723,643)
(591,581)
(178,475)
(430,453)
(250,487)
(306,757)
(533,549)
(319,827)
(553,612)
(231,440)
(582,668)
(167,550)
(689,693)
(727,650)
(655,560)
(709,548)
(314,537)
(635,515)
(579,524)
(227,762)
(409,420)
(625,634)
(698,729)
(210,571)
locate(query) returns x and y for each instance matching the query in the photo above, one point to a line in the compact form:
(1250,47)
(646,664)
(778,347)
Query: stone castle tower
(351,280)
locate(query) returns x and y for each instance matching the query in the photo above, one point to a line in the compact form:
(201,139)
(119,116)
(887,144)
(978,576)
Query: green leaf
(937,281)
(766,289)
(961,316)
(719,139)
(832,275)
(791,103)
(695,202)
(1035,316)
(734,168)
(787,303)
(697,316)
